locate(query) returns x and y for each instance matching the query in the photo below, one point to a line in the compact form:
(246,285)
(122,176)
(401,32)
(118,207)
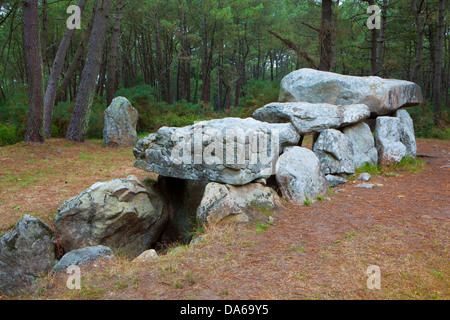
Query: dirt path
(316,252)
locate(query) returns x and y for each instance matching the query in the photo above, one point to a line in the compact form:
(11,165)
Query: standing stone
(122,214)
(120,124)
(382,96)
(387,141)
(363,144)
(335,152)
(407,135)
(26,252)
(233,203)
(300,176)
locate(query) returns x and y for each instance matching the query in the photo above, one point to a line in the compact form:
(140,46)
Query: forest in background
(179,61)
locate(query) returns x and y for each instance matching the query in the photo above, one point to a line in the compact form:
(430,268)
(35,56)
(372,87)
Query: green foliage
(370,168)
(8,135)
(155,114)
(258,93)
(424,126)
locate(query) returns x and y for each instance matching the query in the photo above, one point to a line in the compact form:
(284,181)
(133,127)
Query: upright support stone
(300,175)
(363,144)
(387,141)
(335,152)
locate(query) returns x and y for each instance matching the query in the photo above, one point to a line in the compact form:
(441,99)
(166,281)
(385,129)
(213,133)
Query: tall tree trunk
(58,64)
(326,35)
(76,61)
(206,61)
(44,34)
(78,123)
(159,61)
(33,61)
(438,64)
(112,63)
(380,40)
(419,46)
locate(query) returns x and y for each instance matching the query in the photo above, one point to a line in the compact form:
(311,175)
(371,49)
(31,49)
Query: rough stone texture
(83,256)
(233,203)
(146,256)
(120,124)
(382,96)
(407,134)
(312,117)
(208,151)
(122,214)
(366,186)
(364,177)
(26,252)
(300,175)
(334,181)
(335,152)
(363,144)
(387,141)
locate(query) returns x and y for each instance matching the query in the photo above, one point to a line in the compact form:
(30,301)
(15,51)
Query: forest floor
(320,251)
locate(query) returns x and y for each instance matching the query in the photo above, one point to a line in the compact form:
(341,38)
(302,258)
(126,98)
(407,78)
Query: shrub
(8,135)
(424,125)
(257,94)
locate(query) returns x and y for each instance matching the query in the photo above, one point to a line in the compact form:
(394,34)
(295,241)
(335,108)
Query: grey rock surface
(26,252)
(123,214)
(312,117)
(382,96)
(363,144)
(120,124)
(223,202)
(335,152)
(231,150)
(83,256)
(387,141)
(300,175)
(407,134)
(335,181)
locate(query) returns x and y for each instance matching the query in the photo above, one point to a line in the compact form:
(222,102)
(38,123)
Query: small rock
(147,256)
(198,239)
(364,177)
(83,256)
(334,181)
(366,185)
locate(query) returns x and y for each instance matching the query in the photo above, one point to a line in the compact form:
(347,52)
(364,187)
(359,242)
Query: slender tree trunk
(206,62)
(438,64)
(159,61)
(44,34)
(419,46)
(78,123)
(112,63)
(75,61)
(32,53)
(380,40)
(326,35)
(58,64)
